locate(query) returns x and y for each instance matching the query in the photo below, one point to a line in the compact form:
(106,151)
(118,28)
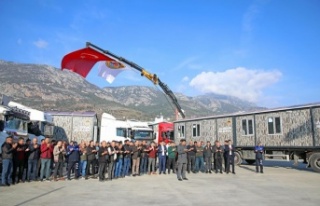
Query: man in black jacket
(191,156)
(218,153)
(34,156)
(103,158)
(91,155)
(7,149)
(229,156)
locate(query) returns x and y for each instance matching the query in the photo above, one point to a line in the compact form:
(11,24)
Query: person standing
(152,159)
(59,158)
(191,156)
(73,154)
(7,149)
(119,162)
(182,160)
(33,159)
(91,157)
(127,158)
(229,156)
(207,152)
(172,154)
(83,159)
(112,159)
(18,160)
(218,153)
(136,151)
(144,158)
(103,159)
(259,157)
(162,150)
(46,156)
(199,158)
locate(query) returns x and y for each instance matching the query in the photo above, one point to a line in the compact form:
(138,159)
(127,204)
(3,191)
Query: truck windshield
(14,124)
(140,134)
(168,135)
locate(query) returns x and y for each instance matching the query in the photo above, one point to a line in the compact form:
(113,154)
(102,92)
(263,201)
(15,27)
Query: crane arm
(152,77)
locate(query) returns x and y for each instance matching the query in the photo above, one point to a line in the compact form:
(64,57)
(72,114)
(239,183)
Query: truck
(162,130)
(112,129)
(287,133)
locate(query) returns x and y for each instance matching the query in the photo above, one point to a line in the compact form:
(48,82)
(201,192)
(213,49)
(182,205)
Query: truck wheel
(315,162)
(250,162)
(237,158)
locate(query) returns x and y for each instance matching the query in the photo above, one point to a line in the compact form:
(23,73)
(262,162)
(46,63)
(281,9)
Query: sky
(263,51)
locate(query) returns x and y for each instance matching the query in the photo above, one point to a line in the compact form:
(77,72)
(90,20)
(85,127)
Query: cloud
(185,79)
(41,44)
(240,82)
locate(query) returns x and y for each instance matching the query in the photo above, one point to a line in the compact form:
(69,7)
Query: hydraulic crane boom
(152,77)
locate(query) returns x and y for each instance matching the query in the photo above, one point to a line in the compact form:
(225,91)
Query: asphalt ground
(281,184)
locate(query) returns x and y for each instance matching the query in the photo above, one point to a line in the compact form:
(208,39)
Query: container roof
(81,114)
(279,109)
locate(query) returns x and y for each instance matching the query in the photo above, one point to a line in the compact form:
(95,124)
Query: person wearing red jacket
(46,156)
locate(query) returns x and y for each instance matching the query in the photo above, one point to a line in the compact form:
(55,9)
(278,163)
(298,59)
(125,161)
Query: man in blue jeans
(127,158)
(7,148)
(119,161)
(34,156)
(199,158)
(144,158)
(162,154)
(46,156)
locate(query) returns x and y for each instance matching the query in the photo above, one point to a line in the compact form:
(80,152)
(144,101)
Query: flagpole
(151,77)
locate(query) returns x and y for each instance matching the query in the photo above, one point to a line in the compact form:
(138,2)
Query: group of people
(32,161)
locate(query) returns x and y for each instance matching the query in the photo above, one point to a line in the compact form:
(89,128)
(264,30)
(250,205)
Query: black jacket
(7,151)
(91,156)
(34,153)
(207,152)
(103,158)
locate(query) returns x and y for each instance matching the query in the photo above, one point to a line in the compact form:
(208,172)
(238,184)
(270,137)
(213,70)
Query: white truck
(121,130)
(39,124)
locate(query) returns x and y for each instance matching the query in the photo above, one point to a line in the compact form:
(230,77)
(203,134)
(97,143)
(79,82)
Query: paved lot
(280,185)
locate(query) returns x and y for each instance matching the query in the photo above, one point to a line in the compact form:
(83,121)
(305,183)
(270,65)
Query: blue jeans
(6,170)
(143,165)
(126,166)
(118,170)
(162,163)
(32,169)
(45,167)
(82,168)
(199,164)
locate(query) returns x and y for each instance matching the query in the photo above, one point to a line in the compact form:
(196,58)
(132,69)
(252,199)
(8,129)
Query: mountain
(153,101)
(46,88)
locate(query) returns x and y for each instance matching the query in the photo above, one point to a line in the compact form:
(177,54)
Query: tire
(237,158)
(250,162)
(314,162)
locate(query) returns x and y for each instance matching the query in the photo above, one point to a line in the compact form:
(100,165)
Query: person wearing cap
(259,157)
(229,156)
(182,160)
